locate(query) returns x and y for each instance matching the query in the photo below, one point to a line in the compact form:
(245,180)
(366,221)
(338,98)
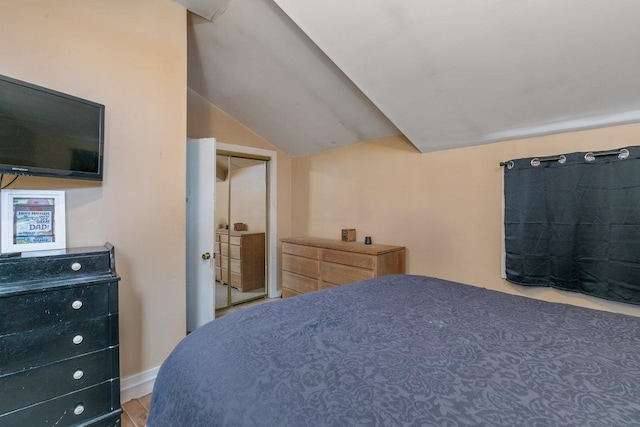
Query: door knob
(206,255)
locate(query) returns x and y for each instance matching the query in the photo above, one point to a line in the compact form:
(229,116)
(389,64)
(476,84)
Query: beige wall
(206,120)
(445,207)
(248,202)
(131,57)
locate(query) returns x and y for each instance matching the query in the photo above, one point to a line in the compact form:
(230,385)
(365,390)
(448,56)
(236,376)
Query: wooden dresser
(311,263)
(59,361)
(244,252)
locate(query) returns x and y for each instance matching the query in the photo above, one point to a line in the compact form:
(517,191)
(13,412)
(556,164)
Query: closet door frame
(272,206)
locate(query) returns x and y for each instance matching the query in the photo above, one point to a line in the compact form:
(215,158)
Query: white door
(201,183)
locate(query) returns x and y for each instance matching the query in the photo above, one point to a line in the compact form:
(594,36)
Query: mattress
(404,350)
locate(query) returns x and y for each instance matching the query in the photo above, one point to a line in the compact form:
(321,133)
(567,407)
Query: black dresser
(59,362)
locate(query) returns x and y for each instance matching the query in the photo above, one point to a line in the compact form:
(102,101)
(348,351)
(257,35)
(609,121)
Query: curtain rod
(622,154)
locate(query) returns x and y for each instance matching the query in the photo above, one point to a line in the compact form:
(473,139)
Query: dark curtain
(575,225)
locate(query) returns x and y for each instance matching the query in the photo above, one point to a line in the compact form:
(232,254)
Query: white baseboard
(138,385)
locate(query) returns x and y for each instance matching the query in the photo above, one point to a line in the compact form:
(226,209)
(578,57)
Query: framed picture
(32,220)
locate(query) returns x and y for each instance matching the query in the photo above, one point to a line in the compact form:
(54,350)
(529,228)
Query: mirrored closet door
(241,229)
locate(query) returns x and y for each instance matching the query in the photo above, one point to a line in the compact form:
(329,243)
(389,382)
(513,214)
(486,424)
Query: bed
(404,350)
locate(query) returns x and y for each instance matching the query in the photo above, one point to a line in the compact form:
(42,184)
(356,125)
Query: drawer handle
(76,266)
(78,339)
(79,409)
(76,305)
(78,374)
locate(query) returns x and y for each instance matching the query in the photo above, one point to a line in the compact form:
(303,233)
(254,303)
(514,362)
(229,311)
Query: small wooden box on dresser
(244,251)
(310,263)
(59,361)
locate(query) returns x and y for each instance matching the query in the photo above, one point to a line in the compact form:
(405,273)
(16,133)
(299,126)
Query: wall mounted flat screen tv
(47,133)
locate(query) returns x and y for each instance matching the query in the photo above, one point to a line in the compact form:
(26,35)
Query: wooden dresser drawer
(330,263)
(67,410)
(327,285)
(42,346)
(311,263)
(236,278)
(341,274)
(300,250)
(299,265)
(31,386)
(234,249)
(349,258)
(236,264)
(298,283)
(247,253)
(34,310)
(234,240)
(286,293)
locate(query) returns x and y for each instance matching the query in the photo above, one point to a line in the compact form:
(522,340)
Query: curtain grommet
(624,154)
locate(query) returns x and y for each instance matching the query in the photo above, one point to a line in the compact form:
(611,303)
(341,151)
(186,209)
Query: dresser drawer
(349,258)
(67,410)
(35,385)
(235,240)
(299,265)
(298,283)
(42,346)
(300,250)
(333,262)
(76,266)
(242,253)
(287,293)
(236,264)
(326,285)
(236,278)
(113,420)
(59,317)
(340,274)
(24,312)
(235,251)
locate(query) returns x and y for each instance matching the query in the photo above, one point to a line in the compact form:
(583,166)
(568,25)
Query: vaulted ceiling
(312,75)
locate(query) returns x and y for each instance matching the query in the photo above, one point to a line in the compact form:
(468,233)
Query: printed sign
(33,220)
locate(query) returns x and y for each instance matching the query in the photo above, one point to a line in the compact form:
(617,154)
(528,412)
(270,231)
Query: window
(572,222)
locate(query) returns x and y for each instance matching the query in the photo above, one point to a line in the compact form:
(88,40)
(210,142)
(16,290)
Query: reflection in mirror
(241,220)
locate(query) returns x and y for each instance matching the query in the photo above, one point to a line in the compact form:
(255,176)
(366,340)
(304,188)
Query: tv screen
(48,133)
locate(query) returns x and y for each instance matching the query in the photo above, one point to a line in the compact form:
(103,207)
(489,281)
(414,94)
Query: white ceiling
(444,73)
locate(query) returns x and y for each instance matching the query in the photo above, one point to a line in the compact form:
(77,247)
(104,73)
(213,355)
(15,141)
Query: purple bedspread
(404,351)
